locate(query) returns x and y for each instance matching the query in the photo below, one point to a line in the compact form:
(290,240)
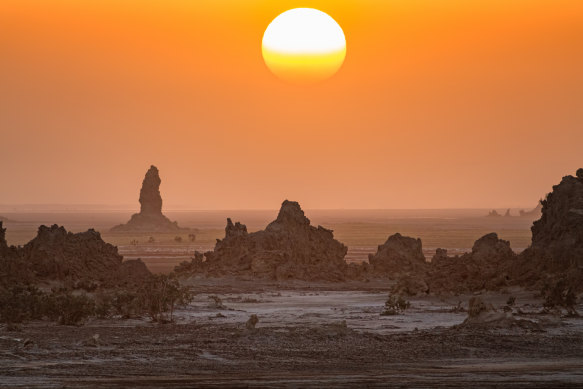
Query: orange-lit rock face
(304,45)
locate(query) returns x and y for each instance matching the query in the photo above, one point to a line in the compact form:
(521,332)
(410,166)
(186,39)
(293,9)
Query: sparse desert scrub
(395,305)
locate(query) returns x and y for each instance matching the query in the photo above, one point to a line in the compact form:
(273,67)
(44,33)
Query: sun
(304,45)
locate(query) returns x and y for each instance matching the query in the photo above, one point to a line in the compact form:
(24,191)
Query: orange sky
(440,104)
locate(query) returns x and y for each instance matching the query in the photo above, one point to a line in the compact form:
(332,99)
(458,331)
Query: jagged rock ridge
(289,248)
(150,218)
(555,255)
(55,254)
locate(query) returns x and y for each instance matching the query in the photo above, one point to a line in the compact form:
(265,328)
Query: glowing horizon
(439,104)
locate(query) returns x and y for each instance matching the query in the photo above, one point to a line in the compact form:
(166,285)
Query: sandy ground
(300,341)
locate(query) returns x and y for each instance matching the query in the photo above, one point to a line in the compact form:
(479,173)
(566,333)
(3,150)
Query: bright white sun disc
(304,45)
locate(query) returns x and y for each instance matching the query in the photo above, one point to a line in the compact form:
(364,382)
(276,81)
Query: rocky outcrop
(57,254)
(535,213)
(559,232)
(399,255)
(81,258)
(3,243)
(132,272)
(493,213)
(289,248)
(556,252)
(150,218)
(485,268)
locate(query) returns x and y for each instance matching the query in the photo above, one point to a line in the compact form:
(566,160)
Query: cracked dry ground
(227,355)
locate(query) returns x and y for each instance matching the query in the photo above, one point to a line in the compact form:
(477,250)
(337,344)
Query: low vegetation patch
(395,305)
(157,298)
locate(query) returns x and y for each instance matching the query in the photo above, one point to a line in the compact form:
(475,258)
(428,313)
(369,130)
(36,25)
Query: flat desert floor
(308,335)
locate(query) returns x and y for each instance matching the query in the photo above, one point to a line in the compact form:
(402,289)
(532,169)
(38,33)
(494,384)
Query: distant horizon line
(127,208)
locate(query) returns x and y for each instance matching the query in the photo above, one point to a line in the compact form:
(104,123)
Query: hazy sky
(440,104)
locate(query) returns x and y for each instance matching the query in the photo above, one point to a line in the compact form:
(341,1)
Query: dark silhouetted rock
(485,268)
(252,322)
(132,272)
(439,255)
(57,254)
(559,231)
(507,214)
(289,248)
(556,252)
(150,218)
(83,259)
(3,244)
(399,255)
(494,213)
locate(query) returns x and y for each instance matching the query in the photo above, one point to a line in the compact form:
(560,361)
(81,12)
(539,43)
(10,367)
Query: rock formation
(289,248)
(399,255)
(3,244)
(493,213)
(507,214)
(57,254)
(150,218)
(556,252)
(559,231)
(535,213)
(485,268)
(83,258)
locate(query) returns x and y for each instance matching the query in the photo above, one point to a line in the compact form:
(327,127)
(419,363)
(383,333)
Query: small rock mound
(485,316)
(399,255)
(289,248)
(252,322)
(150,218)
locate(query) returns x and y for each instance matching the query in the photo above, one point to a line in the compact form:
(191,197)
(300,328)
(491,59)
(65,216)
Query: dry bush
(395,305)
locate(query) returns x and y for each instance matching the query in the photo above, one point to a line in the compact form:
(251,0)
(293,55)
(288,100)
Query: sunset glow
(438,104)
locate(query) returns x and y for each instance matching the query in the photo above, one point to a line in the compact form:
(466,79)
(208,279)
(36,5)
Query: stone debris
(252,322)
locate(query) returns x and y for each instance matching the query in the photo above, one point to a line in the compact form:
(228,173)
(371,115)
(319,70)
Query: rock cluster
(150,218)
(555,255)
(289,248)
(485,268)
(83,258)
(399,255)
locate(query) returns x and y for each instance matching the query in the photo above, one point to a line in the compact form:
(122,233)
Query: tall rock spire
(150,218)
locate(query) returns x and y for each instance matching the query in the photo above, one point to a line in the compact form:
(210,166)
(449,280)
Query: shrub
(161,294)
(71,309)
(19,304)
(395,305)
